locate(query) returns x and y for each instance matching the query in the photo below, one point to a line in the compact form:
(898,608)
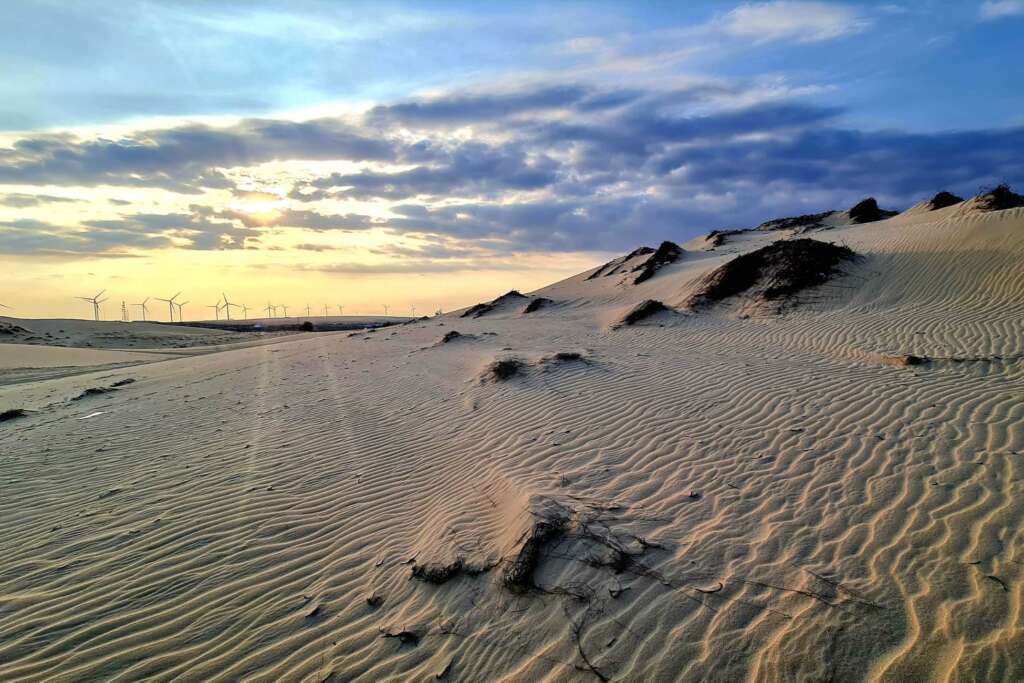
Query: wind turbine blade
(100,294)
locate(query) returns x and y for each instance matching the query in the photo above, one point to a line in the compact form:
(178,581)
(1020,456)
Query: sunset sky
(436,154)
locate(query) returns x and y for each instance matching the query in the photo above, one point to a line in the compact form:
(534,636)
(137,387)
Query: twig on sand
(995,578)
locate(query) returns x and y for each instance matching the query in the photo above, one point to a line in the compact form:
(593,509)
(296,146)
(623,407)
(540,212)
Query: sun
(261,207)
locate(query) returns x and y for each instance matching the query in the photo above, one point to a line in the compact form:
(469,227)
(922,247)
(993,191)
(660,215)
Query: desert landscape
(491,342)
(792,452)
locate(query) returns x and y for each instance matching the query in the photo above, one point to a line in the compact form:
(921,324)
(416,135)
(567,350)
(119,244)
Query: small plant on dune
(999,198)
(503,369)
(643,310)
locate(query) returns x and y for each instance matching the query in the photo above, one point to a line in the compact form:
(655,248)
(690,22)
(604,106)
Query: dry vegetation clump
(565,357)
(905,360)
(999,198)
(477,310)
(717,238)
(942,200)
(99,391)
(779,270)
(666,253)
(804,222)
(13,414)
(450,336)
(438,574)
(503,369)
(867,211)
(537,304)
(12,329)
(644,309)
(613,266)
(518,574)
(93,391)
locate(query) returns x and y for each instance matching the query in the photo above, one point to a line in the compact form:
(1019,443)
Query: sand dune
(731,493)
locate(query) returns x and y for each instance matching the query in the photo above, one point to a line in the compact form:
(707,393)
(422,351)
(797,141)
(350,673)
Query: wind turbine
(307,310)
(268,309)
(413,307)
(245,312)
(325,311)
(143,308)
(285,309)
(170,304)
(386,307)
(181,318)
(216,309)
(228,305)
(341,310)
(95,301)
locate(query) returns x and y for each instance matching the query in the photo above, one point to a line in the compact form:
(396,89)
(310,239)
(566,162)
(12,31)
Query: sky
(429,155)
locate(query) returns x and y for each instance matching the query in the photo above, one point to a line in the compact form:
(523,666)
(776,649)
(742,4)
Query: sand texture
(820,486)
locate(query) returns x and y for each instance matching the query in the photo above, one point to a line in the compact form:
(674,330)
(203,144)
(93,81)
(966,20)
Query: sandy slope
(793,507)
(108,334)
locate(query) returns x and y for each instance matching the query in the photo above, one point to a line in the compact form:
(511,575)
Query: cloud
(416,266)
(995,9)
(296,218)
(470,169)
(460,109)
(23,201)
(182,159)
(804,22)
(624,167)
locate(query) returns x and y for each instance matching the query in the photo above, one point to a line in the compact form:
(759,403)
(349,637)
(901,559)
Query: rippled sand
(792,505)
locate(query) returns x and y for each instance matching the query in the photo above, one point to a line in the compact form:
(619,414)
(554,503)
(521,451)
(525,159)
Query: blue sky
(894,64)
(362,139)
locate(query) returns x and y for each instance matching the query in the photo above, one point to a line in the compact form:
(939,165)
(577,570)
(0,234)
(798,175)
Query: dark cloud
(133,231)
(38,237)
(555,168)
(460,109)
(471,169)
(183,159)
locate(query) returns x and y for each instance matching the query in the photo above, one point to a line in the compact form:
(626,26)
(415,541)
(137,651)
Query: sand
(746,492)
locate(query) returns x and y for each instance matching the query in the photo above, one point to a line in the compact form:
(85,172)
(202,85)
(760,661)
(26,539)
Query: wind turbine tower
(341,310)
(216,309)
(170,304)
(285,309)
(143,308)
(181,318)
(307,310)
(268,309)
(95,301)
(228,305)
